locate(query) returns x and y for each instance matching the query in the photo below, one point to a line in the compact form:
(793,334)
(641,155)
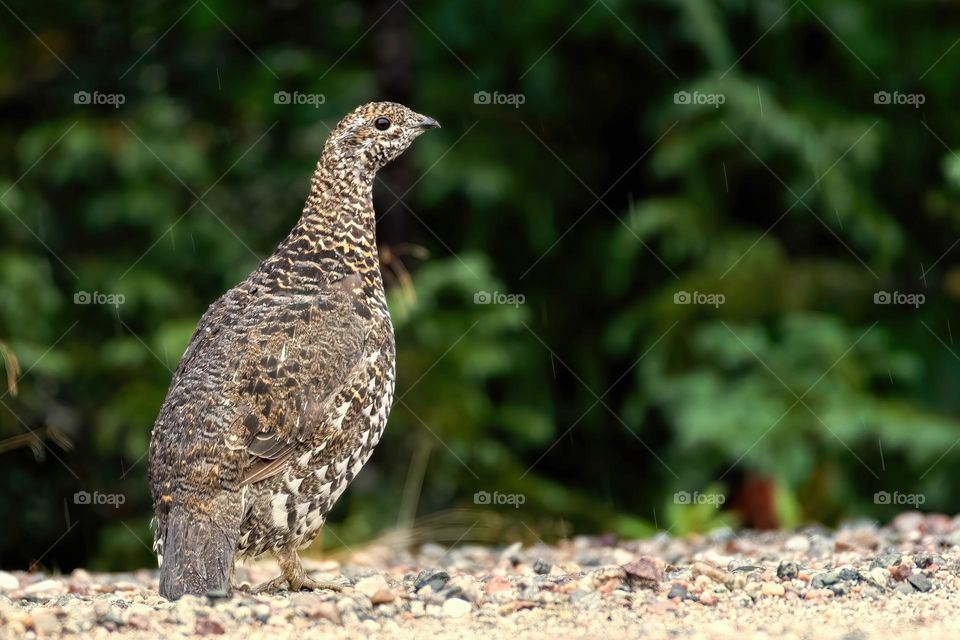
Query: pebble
(645,568)
(8,581)
(372,585)
(717,575)
(541,566)
(788,570)
(45,621)
(825,579)
(44,587)
(923,560)
(465,587)
(772,589)
(920,582)
(497,584)
(433,578)
(850,575)
(677,591)
(797,544)
(208,627)
(456,608)
(879,576)
(887,559)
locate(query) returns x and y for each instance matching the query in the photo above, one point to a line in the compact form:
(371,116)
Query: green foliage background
(597,199)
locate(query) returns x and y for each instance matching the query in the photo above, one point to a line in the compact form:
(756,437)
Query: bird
(286,385)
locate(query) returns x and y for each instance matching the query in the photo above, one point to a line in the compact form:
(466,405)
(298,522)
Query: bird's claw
(281,583)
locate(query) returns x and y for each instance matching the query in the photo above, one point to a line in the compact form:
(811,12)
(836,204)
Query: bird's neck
(336,235)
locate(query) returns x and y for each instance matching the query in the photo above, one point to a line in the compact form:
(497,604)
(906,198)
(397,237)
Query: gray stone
(433,578)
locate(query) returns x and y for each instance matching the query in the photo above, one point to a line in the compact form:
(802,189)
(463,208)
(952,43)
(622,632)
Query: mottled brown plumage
(287,383)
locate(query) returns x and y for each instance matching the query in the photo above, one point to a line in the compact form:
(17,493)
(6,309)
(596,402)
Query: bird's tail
(197,553)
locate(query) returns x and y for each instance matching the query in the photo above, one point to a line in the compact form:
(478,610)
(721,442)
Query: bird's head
(373,134)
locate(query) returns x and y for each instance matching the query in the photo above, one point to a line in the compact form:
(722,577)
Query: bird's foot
(303,583)
(293,577)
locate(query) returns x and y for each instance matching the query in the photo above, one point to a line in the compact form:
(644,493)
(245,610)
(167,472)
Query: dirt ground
(859,582)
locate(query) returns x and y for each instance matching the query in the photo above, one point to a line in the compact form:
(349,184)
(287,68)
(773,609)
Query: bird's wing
(304,352)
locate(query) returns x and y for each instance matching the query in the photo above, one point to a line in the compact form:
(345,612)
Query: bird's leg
(293,575)
(234,585)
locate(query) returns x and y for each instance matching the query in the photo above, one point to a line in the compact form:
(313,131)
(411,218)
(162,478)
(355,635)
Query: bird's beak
(429,123)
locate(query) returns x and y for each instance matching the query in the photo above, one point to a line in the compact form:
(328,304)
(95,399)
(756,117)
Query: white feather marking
(278,510)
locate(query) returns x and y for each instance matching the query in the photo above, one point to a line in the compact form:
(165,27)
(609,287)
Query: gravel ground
(858,582)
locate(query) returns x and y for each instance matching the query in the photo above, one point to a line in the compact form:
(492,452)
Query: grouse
(285,387)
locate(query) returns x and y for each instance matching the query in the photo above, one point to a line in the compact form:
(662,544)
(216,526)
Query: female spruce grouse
(286,385)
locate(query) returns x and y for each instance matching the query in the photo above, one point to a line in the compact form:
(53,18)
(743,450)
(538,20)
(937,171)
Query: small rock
(261,611)
(138,622)
(797,544)
(8,581)
(788,570)
(715,574)
(772,589)
(497,584)
(923,560)
(901,572)
(45,621)
(433,578)
(603,577)
(887,559)
(328,611)
(850,575)
(920,582)
(645,568)
(384,596)
(908,521)
(541,567)
(818,594)
(825,579)
(511,553)
(905,588)
(456,608)
(208,627)
(879,576)
(465,587)
(677,591)
(313,607)
(44,587)
(371,585)
(708,598)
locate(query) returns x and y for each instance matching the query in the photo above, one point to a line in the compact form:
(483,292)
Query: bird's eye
(382,123)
